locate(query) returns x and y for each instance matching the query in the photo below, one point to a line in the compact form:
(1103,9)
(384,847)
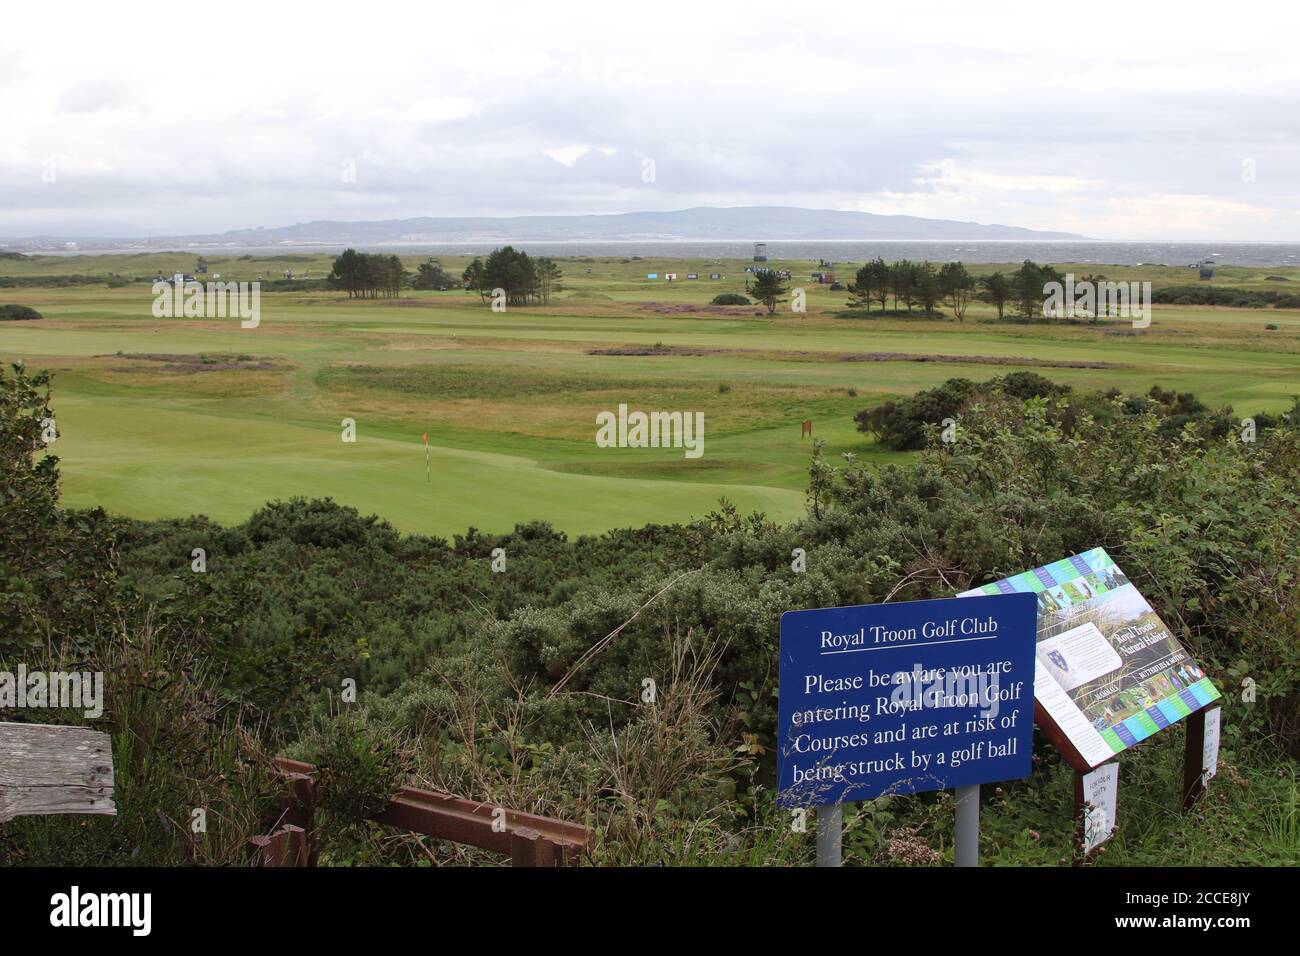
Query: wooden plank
(47,769)
(473,823)
(467,821)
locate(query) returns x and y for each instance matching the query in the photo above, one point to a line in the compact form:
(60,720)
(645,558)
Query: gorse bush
(903,425)
(358,769)
(1217,295)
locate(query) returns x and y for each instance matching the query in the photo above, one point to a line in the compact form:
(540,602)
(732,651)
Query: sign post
(888,699)
(830,833)
(1200,754)
(966,849)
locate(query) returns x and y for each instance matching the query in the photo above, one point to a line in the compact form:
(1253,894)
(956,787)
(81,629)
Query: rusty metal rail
(529,839)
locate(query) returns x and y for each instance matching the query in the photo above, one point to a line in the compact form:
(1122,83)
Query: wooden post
(287,846)
(1080,819)
(46,768)
(530,848)
(298,806)
(298,809)
(1193,754)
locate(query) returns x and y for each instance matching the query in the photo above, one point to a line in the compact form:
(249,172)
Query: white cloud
(1125,123)
(569,155)
(441,109)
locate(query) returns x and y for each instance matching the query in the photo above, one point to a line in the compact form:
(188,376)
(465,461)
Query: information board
(899,698)
(1108,673)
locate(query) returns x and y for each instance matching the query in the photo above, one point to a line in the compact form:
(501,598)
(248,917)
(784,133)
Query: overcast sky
(1179,122)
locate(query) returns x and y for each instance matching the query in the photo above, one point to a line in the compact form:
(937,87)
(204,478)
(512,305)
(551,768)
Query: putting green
(165,463)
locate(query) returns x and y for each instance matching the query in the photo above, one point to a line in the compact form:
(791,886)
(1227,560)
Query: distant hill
(701,223)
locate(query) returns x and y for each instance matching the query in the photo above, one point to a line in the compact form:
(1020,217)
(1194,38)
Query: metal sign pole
(967,849)
(830,825)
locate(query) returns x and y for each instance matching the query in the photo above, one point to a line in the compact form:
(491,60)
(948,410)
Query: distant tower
(760,252)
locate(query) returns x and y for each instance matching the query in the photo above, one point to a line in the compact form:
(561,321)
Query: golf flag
(425,439)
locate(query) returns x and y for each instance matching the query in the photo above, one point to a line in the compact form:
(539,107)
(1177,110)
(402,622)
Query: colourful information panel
(1108,670)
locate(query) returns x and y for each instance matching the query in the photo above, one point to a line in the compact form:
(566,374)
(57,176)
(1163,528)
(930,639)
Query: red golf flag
(425,438)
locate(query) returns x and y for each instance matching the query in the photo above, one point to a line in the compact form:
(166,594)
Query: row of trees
(527,280)
(365,275)
(915,284)
(1023,289)
(921,285)
(431,275)
(523,279)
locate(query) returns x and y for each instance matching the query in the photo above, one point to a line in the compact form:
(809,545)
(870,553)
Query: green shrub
(57,568)
(1217,295)
(730,298)
(359,768)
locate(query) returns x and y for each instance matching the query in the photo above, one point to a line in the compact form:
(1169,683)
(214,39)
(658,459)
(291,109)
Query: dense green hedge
(1217,295)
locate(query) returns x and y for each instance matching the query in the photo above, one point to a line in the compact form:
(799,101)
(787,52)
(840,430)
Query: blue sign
(886,699)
